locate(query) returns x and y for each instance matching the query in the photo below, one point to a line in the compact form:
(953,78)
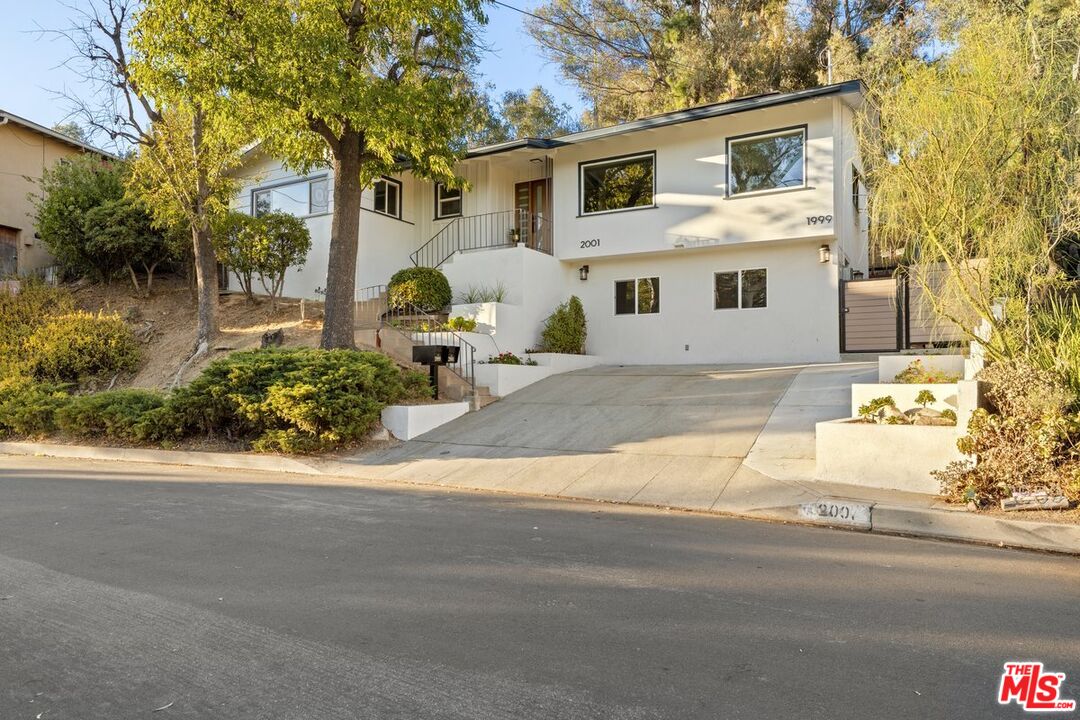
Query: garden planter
(501,380)
(408,421)
(947,395)
(564,362)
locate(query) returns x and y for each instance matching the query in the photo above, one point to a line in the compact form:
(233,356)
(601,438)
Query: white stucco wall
(799,324)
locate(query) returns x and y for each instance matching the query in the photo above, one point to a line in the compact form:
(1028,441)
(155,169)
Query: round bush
(79,346)
(423,288)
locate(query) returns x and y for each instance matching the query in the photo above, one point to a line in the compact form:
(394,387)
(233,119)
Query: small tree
(564,330)
(123,231)
(234,234)
(282,242)
(924,398)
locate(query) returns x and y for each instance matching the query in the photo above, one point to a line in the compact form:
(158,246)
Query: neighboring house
(715,234)
(26,151)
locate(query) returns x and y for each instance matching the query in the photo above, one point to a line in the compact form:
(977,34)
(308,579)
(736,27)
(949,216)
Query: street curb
(885,518)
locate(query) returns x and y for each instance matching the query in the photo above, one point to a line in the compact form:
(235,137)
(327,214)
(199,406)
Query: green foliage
(120,233)
(296,400)
(949,415)
(483,293)
(509,358)
(423,288)
(1027,442)
(23,313)
(461,324)
(564,330)
(265,246)
(29,407)
(80,346)
(924,398)
(918,374)
(69,191)
(111,414)
(234,243)
(873,408)
(535,114)
(1050,335)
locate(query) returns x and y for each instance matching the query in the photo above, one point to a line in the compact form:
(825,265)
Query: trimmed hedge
(423,288)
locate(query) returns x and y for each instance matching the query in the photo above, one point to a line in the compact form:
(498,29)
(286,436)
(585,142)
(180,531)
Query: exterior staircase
(396,332)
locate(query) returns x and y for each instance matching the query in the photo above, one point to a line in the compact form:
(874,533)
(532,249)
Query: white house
(717,234)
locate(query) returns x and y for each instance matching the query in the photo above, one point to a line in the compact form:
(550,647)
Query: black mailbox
(435,354)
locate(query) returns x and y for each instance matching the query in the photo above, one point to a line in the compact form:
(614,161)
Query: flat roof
(702,112)
(48,132)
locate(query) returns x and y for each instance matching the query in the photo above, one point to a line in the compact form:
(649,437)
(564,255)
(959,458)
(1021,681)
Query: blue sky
(31,65)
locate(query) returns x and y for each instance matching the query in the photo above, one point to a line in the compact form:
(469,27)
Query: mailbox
(435,354)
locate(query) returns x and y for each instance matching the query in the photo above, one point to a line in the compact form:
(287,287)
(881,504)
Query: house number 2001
(595,242)
(819,220)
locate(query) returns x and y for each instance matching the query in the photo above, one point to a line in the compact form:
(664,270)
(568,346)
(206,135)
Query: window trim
(765,134)
(651,154)
(389,181)
(296,181)
(738,288)
(615,300)
(438,204)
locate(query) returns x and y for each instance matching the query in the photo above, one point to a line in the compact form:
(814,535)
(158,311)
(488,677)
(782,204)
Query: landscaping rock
(930,420)
(273,338)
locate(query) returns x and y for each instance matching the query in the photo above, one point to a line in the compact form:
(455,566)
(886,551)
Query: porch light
(823,254)
(583,272)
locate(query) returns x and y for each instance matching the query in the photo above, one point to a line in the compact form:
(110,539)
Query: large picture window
(770,161)
(616,184)
(387,197)
(640,296)
(447,201)
(740,289)
(300,198)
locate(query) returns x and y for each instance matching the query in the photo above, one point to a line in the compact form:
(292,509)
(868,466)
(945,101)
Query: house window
(740,289)
(388,197)
(447,201)
(770,161)
(640,296)
(617,184)
(301,198)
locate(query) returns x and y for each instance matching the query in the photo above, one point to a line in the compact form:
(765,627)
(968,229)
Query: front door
(532,202)
(9,252)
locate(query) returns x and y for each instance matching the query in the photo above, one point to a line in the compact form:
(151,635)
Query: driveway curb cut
(885,518)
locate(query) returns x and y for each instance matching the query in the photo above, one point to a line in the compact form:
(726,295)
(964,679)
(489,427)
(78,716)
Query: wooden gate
(9,252)
(870,316)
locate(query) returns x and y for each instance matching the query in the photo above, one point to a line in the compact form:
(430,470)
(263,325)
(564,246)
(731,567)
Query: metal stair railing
(422,328)
(504,228)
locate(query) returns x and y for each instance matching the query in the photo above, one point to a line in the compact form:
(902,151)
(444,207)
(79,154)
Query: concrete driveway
(676,436)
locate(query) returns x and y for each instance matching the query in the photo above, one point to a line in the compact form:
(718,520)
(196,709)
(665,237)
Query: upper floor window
(300,198)
(447,201)
(615,184)
(768,161)
(640,296)
(388,197)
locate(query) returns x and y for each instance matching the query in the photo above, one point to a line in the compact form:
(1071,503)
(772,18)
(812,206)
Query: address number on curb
(836,512)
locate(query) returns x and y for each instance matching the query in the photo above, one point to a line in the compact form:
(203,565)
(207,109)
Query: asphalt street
(140,591)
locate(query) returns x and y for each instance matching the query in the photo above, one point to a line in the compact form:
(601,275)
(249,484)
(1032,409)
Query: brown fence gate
(870,316)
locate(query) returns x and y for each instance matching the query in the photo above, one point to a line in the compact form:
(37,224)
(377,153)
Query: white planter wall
(408,421)
(501,380)
(890,365)
(563,362)
(947,395)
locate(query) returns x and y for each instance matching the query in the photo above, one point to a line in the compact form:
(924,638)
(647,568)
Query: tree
(265,246)
(69,191)
(234,240)
(519,115)
(123,230)
(630,58)
(148,97)
(73,130)
(975,166)
(360,86)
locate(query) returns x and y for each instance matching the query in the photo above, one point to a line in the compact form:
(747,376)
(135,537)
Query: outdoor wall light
(823,254)
(583,272)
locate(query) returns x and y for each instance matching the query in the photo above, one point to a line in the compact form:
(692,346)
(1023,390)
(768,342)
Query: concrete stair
(369,313)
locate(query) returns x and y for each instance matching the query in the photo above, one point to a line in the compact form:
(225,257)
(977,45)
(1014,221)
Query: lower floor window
(740,289)
(640,296)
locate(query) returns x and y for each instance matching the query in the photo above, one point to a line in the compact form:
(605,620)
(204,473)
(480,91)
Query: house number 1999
(819,220)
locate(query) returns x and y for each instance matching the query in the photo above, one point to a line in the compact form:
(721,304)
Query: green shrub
(949,415)
(28,407)
(875,406)
(21,314)
(483,294)
(461,324)
(918,374)
(113,414)
(564,330)
(509,358)
(423,288)
(79,346)
(293,400)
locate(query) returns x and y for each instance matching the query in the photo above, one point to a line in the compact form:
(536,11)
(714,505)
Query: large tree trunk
(206,281)
(338,317)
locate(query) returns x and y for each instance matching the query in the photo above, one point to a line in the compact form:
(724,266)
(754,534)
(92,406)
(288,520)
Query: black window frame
(635,281)
(439,188)
(764,134)
(387,181)
(739,288)
(650,154)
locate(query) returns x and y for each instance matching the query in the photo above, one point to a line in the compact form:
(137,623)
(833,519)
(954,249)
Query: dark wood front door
(532,200)
(9,251)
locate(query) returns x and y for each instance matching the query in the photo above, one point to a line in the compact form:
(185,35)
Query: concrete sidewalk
(732,440)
